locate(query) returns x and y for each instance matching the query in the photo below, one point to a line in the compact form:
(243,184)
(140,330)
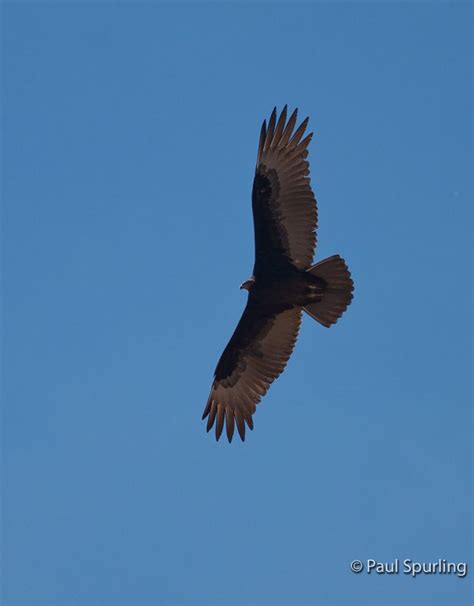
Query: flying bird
(284,282)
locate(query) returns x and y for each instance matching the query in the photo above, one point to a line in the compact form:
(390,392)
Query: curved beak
(247,285)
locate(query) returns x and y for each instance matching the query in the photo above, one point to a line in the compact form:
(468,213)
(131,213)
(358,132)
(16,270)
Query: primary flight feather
(284,282)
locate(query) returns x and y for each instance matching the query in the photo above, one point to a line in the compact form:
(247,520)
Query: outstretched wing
(283,204)
(255,356)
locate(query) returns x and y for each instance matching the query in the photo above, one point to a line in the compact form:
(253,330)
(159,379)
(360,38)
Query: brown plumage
(284,281)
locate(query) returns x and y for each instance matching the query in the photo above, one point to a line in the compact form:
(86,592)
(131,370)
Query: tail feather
(337,294)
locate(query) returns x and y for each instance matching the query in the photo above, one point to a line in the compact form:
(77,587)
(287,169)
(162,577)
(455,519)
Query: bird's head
(247,285)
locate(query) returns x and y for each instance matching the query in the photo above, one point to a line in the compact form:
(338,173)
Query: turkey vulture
(284,282)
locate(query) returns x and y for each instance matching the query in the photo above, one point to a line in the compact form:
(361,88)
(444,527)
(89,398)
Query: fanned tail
(337,294)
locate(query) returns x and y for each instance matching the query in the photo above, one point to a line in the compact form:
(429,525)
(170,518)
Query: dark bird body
(284,281)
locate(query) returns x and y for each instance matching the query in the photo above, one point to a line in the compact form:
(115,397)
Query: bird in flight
(284,282)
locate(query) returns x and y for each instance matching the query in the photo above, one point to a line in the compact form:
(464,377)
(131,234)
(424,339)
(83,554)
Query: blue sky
(130,137)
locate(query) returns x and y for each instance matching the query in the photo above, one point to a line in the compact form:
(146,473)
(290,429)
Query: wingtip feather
(279,127)
(212,416)
(261,142)
(289,128)
(271,128)
(229,423)
(295,139)
(220,421)
(239,420)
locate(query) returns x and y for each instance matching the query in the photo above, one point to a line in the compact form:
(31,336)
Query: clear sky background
(130,137)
